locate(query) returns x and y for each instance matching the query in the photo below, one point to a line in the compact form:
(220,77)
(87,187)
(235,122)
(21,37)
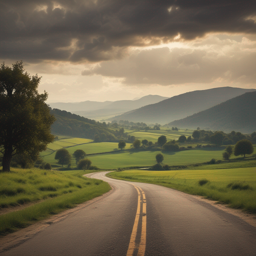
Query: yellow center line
(142,245)
(132,244)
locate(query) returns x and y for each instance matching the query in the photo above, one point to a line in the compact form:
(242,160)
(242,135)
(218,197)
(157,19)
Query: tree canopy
(25,119)
(79,154)
(162,140)
(63,156)
(121,144)
(243,147)
(159,158)
(136,144)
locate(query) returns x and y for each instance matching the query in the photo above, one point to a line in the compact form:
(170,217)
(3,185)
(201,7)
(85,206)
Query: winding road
(142,219)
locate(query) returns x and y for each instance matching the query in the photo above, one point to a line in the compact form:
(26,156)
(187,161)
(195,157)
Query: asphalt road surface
(143,219)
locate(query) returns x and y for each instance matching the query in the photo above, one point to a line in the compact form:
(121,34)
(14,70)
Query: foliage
(136,144)
(47,166)
(157,167)
(217,138)
(63,156)
(159,158)
(162,140)
(25,119)
(23,160)
(79,154)
(145,142)
(121,144)
(170,146)
(203,182)
(243,147)
(84,164)
(182,138)
(226,155)
(196,134)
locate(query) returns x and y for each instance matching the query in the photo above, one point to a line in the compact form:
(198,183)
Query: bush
(170,146)
(203,182)
(93,167)
(238,186)
(213,161)
(47,166)
(157,167)
(84,164)
(166,167)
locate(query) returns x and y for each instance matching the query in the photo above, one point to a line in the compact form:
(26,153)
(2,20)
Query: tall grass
(51,191)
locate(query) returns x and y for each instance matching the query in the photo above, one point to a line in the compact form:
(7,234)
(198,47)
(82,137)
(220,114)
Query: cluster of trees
(242,147)
(221,138)
(64,158)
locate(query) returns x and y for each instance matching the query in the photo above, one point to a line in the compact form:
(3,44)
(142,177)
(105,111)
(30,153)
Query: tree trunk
(7,161)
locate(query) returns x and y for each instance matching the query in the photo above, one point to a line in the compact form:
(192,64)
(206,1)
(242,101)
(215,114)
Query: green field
(153,135)
(236,187)
(147,158)
(52,191)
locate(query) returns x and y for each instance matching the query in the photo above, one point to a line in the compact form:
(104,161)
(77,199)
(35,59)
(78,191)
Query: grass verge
(235,187)
(71,190)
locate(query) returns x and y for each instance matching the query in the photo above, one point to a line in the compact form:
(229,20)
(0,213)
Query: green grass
(235,187)
(147,158)
(89,148)
(51,191)
(67,142)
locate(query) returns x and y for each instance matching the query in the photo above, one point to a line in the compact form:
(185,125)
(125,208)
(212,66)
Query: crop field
(52,191)
(67,142)
(235,186)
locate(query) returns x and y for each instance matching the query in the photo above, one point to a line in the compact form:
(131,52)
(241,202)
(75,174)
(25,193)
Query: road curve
(143,219)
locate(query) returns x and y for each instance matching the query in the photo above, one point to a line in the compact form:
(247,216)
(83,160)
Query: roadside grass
(235,187)
(51,191)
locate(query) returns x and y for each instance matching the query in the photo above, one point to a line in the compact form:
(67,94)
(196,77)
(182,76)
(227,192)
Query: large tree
(25,119)
(63,156)
(243,147)
(121,144)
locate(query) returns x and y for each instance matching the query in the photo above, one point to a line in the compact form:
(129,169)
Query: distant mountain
(181,106)
(94,109)
(73,125)
(236,114)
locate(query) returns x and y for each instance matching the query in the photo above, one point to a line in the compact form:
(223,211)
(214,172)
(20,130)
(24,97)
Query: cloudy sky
(114,49)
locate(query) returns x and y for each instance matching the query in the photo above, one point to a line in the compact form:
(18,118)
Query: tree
(159,158)
(196,134)
(182,138)
(136,144)
(63,156)
(25,119)
(229,150)
(84,164)
(226,155)
(170,146)
(121,144)
(144,142)
(79,154)
(243,147)
(217,138)
(162,140)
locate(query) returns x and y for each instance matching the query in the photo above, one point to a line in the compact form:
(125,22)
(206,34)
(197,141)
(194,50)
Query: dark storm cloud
(77,30)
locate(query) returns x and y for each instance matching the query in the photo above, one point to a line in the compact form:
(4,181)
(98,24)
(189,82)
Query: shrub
(84,164)
(47,166)
(238,186)
(203,182)
(170,146)
(213,161)
(166,167)
(157,167)
(93,167)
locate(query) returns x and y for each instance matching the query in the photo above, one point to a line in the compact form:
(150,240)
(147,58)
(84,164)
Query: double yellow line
(141,211)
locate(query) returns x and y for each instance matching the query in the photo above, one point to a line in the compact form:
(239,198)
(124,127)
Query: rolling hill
(73,125)
(96,110)
(181,106)
(236,114)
